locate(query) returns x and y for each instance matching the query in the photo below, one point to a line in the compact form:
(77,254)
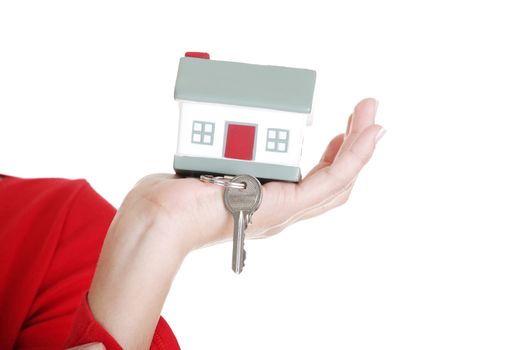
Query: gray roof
(242,84)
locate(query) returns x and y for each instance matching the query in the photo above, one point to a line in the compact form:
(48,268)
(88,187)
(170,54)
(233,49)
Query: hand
(196,210)
(164,217)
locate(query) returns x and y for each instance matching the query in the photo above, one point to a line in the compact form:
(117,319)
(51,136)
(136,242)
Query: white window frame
(198,128)
(274,139)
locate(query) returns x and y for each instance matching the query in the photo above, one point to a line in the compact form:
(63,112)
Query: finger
(323,188)
(332,149)
(322,185)
(362,117)
(329,154)
(353,156)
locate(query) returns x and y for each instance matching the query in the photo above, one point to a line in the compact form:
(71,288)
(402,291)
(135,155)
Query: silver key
(242,203)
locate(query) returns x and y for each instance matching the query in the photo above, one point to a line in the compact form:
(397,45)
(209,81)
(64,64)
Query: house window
(202,133)
(277,140)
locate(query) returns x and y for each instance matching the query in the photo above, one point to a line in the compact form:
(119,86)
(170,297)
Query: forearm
(139,259)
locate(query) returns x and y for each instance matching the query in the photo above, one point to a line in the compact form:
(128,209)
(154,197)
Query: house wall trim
(189,164)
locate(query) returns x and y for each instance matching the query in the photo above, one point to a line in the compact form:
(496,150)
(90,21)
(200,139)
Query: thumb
(90,346)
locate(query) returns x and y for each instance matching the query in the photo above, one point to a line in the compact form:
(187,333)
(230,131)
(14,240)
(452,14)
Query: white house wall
(220,114)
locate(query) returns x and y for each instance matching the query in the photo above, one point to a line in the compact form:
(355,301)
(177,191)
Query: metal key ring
(224,181)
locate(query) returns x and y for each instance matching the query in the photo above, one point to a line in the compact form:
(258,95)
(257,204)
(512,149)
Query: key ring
(224,181)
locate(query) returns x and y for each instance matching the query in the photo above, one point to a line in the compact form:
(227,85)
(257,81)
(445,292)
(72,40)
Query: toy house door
(240,141)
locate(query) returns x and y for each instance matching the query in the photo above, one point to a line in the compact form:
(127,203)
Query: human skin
(164,217)
(90,346)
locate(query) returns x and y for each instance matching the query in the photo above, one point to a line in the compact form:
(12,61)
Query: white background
(429,253)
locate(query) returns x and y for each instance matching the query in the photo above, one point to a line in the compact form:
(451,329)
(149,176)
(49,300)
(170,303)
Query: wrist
(138,262)
(193,212)
(147,220)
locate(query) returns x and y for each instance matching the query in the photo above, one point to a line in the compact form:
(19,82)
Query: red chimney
(203,55)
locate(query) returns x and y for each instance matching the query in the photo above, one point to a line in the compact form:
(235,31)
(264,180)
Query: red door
(239,141)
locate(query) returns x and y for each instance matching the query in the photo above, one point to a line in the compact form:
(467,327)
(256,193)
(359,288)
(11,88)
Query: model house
(238,118)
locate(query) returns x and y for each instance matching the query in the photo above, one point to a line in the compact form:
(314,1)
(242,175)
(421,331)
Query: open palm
(198,206)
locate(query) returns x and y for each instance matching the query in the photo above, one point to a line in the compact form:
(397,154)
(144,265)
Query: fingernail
(380,134)
(377,105)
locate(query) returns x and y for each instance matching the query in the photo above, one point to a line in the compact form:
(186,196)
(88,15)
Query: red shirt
(51,234)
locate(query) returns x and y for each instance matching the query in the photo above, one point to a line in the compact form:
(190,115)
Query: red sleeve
(86,330)
(51,234)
